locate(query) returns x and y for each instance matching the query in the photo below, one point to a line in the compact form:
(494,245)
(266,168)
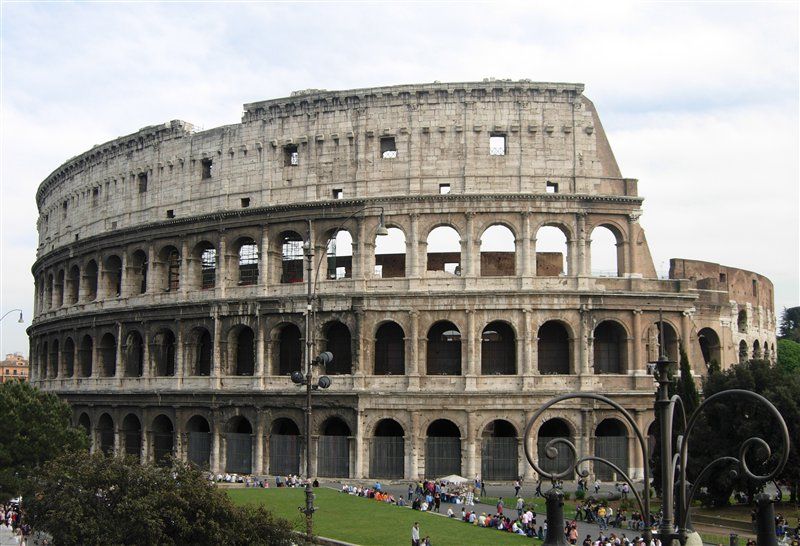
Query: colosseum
(451,229)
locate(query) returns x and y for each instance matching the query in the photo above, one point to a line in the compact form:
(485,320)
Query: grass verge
(364,521)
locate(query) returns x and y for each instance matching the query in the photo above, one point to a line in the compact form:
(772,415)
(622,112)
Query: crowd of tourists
(10,517)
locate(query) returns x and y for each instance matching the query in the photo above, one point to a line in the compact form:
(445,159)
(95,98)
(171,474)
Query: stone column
(119,369)
(472,461)
(151,269)
(584,443)
(360,456)
(583,343)
(414,352)
(118,447)
(258,439)
(526,247)
(179,351)
(213,463)
(686,331)
(583,261)
(638,357)
(417,438)
(145,350)
(263,259)
(221,281)
(216,370)
(572,259)
(470,265)
(260,350)
(184,273)
(413,249)
(358,271)
(473,351)
(632,267)
(527,365)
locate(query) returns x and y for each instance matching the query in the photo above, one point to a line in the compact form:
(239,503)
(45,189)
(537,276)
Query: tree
(34,428)
(687,388)
(726,424)
(789,355)
(83,499)
(790,324)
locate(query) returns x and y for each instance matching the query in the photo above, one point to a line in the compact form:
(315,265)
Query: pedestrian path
(7,537)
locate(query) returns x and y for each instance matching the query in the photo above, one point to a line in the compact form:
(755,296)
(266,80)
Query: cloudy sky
(699,100)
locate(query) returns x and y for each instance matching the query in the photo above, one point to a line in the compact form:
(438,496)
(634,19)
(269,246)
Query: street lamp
(674,481)
(324,358)
(9,312)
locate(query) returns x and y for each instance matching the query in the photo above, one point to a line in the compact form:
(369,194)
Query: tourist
(415,534)
(520,507)
(410,491)
(539,488)
(517,486)
(597,486)
(500,505)
(450,513)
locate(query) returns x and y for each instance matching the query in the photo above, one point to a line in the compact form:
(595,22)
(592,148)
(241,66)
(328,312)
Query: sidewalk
(7,537)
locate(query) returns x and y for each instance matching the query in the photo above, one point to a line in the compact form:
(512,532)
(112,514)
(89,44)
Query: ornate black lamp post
(674,462)
(325,358)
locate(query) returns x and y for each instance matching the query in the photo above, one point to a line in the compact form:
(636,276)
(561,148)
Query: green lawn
(365,521)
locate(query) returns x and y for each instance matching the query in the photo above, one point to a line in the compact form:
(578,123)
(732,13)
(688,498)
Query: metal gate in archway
(386,457)
(613,448)
(163,443)
(133,443)
(239,452)
(442,456)
(284,454)
(563,458)
(499,460)
(333,457)
(200,448)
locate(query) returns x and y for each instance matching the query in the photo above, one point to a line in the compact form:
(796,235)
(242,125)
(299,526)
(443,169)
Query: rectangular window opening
(291,158)
(551,187)
(142,182)
(245,202)
(64,207)
(95,196)
(497,144)
(338,194)
(755,288)
(723,277)
(444,189)
(170,213)
(388,148)
(207,164)
(379,271)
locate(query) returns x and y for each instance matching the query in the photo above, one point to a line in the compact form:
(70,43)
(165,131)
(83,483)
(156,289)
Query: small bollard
(765,521)
(734,539)
(555,519)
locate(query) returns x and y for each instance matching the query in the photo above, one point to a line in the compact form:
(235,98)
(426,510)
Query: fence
(499,460)
(333,458)
(284,454)
(386,457)
(239,452)
(442,456)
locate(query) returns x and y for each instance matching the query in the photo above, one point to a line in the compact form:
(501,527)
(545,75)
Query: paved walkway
(7,537)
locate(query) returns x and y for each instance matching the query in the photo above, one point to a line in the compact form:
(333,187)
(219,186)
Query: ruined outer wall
(441,132)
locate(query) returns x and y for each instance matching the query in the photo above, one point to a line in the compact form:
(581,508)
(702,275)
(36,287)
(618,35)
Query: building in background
(170,290)
(14,366)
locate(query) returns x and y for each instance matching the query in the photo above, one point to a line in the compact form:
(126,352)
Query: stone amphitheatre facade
(170,291)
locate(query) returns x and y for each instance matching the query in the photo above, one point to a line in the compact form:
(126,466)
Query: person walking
(500,505)
(415,534)
(517,485)
(539,488)
(520,507)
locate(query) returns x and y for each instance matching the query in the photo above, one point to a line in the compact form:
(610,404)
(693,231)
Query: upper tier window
(497,144)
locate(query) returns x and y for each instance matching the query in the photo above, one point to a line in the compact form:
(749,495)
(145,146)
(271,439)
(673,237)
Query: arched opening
(284,447)
(108,355)
(390,254)
(442,449)
(550,430)
(553,348)
(444,250)
(743,352)
(243,351)
(610,348)
(200,352)
(709,346)
(390,350)
(132,436)
(670,338)
(611,443)
(340,255)
(54,353)
(69,357)
(73,285)
(134,355)
(86,356)
(290,350)
(58,290)
(112,277)
(44,363)
(138,272)
(339,343)
(607,252)
(170,261)
(86,424)
(198,432)
(162,351)
(756,350)
(499,451)
(105,434)
(205,254)
(741,321)
(333,458)
(291,257)
(163,440)
(444,349)
(248,261)
(498,252)
(48,292)
(765,349)
(387,450)
(90,273)
(552,253)
(498,349)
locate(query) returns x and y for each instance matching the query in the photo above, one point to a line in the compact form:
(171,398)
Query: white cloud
(699,99)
